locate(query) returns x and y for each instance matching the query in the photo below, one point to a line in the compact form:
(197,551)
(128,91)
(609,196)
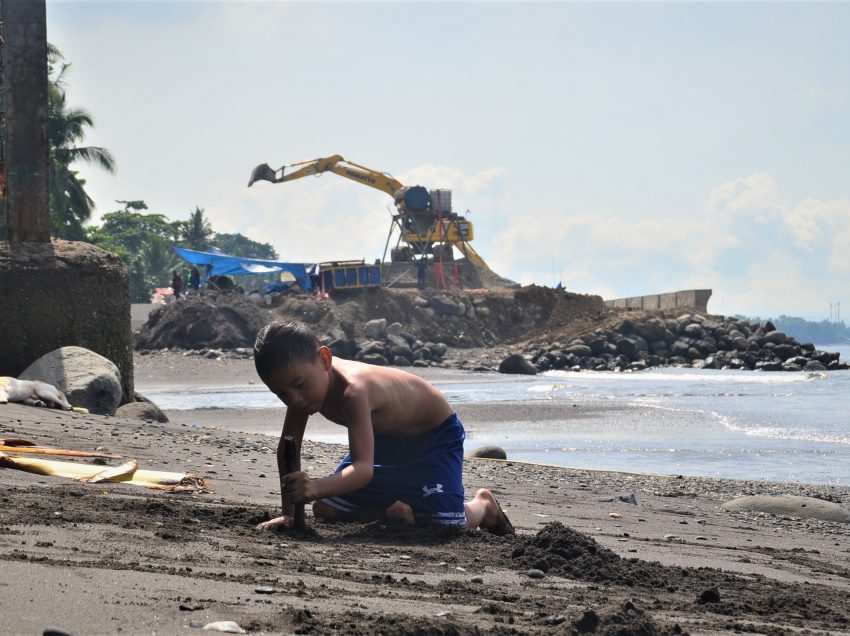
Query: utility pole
(25,156)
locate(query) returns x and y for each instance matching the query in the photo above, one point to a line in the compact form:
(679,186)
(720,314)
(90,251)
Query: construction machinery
(427,226)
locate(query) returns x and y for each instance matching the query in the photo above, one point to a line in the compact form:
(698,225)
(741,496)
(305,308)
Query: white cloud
(755,195)
(817,224)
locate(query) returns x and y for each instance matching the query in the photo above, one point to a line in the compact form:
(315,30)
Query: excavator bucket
(263,172)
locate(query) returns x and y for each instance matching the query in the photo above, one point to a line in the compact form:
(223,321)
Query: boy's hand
(278,523)
(300,488)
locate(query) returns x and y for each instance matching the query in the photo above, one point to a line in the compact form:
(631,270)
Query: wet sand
(104,559)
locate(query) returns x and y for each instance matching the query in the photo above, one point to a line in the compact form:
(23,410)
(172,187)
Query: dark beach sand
(108,559)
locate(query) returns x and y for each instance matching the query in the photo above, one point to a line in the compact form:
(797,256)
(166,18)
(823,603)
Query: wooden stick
(292,463)
(55,451)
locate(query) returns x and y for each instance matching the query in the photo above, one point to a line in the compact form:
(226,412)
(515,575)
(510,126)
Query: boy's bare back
(401,404)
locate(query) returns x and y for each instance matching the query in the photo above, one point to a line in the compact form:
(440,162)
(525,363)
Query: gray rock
(518,365)
(627,347)
(489,452)
(535,574)
(776,337)
(87,379)
(371,347)
(375,329)
(653,329)
(147,411)
(694,330)
(447,306)
(375,358)
(792,506)
(581,350)
(395,329)
(784,351)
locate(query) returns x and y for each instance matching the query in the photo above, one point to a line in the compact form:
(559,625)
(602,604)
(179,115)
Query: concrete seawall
(690,298)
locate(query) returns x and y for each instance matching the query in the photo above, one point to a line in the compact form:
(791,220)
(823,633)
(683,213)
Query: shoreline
(99,558)
(581,429)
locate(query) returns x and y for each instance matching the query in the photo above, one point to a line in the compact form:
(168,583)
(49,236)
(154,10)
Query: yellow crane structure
(424,218)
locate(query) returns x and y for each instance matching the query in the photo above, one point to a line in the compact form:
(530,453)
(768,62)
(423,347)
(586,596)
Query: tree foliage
(239,245)
(70,205)
(823,332)
(145,243)
(197,232)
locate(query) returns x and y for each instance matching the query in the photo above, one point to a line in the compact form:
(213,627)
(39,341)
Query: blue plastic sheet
(227,265)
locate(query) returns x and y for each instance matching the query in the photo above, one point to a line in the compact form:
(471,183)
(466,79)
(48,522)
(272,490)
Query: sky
(619,148)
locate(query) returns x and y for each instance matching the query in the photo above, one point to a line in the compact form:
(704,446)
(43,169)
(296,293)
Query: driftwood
(292,463)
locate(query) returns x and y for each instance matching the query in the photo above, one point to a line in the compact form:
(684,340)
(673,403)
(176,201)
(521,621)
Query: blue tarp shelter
(227,265)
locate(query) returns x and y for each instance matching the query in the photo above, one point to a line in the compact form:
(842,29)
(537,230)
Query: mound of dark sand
(561,551)
(620,620)
(212,320)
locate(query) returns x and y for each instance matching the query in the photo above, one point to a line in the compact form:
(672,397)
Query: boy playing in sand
(405,442)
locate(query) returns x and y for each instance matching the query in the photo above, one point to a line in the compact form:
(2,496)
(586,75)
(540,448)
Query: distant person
(421,266)
(405,441)
(176,284)
(194,279)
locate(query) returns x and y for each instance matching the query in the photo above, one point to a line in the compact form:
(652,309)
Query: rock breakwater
(692,340)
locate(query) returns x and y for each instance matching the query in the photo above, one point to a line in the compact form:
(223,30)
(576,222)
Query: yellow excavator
(426,223)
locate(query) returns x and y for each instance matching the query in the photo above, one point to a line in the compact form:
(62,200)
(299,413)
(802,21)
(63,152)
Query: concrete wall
(63,293)
(689,298)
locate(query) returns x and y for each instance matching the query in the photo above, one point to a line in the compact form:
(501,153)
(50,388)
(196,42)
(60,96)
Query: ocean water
(741,424)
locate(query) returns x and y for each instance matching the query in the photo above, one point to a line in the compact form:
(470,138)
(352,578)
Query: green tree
(197,231)
(70,205)
(159,259)
(239,245)
(145,243)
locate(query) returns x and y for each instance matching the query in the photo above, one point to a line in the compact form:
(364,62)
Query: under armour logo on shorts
(426,492)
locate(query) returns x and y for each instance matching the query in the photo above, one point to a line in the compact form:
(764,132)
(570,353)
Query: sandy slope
(95,559)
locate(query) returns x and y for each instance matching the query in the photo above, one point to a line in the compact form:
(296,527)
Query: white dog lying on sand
(34,393)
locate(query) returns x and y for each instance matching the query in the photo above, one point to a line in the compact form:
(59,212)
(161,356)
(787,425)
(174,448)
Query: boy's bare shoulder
(360,375)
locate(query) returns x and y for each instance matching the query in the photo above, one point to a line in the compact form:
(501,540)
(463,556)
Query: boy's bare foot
(495,520)
(400,512)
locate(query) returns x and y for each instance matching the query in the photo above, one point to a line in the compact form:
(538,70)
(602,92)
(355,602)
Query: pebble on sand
(229,627)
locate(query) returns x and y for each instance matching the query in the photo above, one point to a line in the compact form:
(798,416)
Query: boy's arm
(294,424)
(361,444)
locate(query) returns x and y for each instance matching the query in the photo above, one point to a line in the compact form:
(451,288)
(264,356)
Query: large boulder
(375,329)
(447,306)
(489,452)
(791,506)
(518,365)
(145,411)
(87,379)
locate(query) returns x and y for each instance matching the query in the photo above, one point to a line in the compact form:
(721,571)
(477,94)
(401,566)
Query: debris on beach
(230,627)
(17,445)
(128,473)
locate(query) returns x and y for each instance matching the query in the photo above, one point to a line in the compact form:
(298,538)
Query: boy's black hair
(281,344)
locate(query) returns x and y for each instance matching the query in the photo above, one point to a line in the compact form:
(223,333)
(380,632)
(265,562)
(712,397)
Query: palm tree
(158,259)
(70,205)
(197,231)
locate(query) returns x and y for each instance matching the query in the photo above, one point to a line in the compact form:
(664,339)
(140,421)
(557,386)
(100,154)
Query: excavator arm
(335,164)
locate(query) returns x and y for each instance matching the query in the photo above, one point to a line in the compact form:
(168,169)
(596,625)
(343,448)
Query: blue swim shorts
(423,471)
